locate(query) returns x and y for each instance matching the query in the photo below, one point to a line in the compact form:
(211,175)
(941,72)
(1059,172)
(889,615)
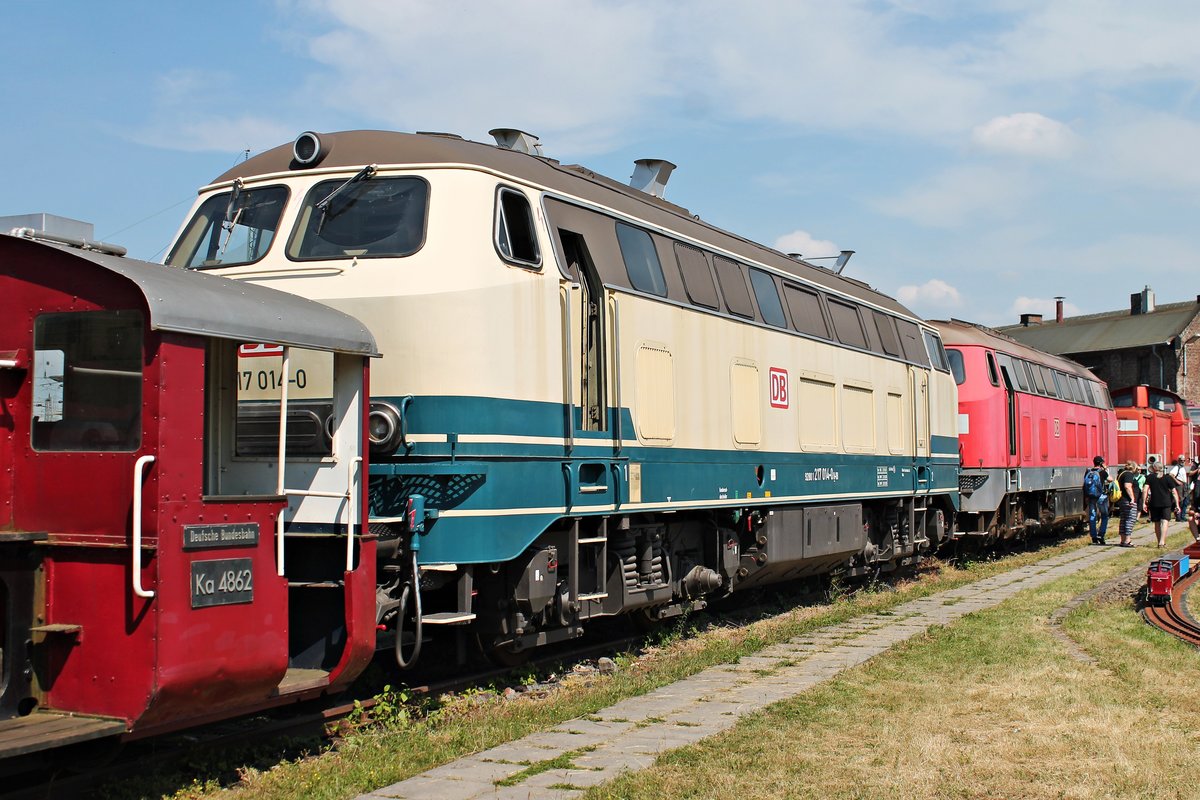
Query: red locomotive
(1163,574)
(1030,424)
(1151,422)
(163,559)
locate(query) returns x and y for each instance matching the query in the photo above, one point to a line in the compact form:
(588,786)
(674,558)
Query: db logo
(779,388)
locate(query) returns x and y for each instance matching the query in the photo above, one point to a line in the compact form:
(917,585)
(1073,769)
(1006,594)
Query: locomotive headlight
(307,149)
(383,428)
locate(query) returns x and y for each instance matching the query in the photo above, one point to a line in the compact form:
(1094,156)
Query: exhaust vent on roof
(513,139)
(650,175)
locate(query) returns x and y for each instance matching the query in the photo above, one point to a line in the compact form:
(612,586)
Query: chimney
(513,139)
(650,175)
(1143,302)
(1030,319)
(1058,309)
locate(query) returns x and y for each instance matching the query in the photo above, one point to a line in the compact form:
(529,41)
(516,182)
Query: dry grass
(991,707)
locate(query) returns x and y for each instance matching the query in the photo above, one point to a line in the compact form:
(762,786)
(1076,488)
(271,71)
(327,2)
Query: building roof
(1110,330)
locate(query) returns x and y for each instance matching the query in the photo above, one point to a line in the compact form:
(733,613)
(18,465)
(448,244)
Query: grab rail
(138,470)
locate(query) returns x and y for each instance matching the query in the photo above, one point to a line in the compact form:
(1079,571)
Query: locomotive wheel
(505,655)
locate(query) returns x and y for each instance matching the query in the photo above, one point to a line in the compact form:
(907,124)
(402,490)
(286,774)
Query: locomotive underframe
(654,565)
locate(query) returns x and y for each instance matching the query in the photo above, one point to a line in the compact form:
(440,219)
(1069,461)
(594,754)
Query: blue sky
(981,158)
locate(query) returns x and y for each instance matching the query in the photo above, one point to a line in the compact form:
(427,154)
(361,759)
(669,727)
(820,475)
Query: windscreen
(231,228)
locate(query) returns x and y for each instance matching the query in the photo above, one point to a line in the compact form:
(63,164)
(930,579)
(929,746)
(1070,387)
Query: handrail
(564,296)
(283,398)
(138,469)
(616,351)
(350,510)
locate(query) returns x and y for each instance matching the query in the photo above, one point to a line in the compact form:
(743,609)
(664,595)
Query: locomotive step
(316,584)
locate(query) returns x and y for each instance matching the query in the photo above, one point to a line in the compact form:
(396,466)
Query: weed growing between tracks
(992,706)
(417,736)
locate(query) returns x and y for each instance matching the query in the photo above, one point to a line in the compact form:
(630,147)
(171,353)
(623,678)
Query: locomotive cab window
(768,298)
(362,217)
(956,365)
(641,260)
(516,238)
(993,374)
(87,381)
(231,228)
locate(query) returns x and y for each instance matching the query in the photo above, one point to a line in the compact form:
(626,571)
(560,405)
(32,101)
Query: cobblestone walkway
(632,733)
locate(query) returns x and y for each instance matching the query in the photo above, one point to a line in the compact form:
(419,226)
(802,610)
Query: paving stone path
(632,733)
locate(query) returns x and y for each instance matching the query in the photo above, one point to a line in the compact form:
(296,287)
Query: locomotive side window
(363,217)
(1048,379)
(641,260)
(847,324)
(805,306)
(956,365)
(234,227)
(697,278)
(937,353)
(1038,380)
(1020,374)
(886,327)
(87,381)
(733,286)
(768,298)
(516,238)
(993,374)
(910,340)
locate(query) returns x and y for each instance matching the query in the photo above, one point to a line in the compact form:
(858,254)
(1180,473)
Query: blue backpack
(1091,483)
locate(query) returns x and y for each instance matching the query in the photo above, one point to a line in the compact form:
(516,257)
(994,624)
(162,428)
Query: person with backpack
(1093,493)
(1161,502)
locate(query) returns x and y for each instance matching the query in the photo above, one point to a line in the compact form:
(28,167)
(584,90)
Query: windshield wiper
(231,215)
(364,174)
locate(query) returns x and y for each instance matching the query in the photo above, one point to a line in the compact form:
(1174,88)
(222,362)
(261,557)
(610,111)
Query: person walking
(1161,501)
(1179,473)
(1127,508)
(1105,504)
(1093,493)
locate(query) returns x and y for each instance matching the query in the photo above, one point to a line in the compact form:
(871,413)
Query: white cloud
(934,294)
(1026,134)
(804,243)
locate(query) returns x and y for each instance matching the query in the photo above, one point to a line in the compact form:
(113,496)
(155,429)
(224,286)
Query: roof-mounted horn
(513,139)
(650,175)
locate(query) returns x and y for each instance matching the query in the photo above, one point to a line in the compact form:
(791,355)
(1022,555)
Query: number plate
(223,582)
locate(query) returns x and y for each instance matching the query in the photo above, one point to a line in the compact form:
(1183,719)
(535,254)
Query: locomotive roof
(360,148)
(187,301)
(959,332)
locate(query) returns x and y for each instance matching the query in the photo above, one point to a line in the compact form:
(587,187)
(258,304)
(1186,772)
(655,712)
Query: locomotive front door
(920,400)
(591,392)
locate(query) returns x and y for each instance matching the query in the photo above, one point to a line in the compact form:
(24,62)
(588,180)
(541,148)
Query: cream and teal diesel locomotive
(591,402)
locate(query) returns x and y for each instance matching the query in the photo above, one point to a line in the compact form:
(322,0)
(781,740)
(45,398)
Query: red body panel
(154,662)
(1050,432)
(1152,421)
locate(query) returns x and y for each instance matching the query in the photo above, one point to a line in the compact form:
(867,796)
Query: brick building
(1158,345)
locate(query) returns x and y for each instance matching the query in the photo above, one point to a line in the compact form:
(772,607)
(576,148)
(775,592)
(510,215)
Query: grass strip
(421,739)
